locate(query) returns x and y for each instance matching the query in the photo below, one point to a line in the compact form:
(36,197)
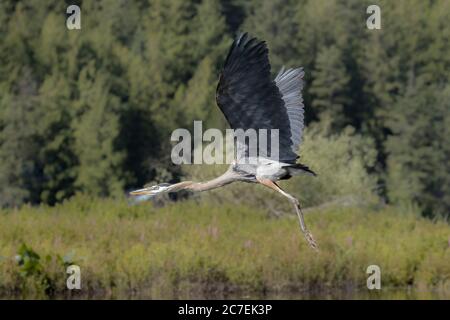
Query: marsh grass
(189,249)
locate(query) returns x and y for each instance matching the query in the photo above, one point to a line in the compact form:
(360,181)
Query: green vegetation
(92,110)
(189,249)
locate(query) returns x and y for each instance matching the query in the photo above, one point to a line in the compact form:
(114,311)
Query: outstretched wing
(249,98)
(290,84)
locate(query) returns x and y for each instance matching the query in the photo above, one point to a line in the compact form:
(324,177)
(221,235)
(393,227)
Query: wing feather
(290,84)
(250,99)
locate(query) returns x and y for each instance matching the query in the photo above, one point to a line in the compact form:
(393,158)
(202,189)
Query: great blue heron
(250,99)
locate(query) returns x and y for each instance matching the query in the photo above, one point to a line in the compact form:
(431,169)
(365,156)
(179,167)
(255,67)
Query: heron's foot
(312,243)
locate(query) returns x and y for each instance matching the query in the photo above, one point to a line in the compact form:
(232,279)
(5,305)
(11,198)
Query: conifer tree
(329,88)
(419,152)
(19,171)
(95,131)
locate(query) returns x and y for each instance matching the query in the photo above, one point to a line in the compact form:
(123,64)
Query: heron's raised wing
(249,98)
(290,84)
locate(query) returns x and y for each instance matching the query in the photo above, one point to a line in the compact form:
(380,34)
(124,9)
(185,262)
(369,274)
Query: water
(187,293)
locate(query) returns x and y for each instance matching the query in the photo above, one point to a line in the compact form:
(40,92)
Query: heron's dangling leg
(309,237)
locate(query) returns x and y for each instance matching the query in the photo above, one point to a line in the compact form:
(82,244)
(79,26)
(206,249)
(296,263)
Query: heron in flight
(250,99)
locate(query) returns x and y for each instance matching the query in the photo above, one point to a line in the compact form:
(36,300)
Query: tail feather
(299,168)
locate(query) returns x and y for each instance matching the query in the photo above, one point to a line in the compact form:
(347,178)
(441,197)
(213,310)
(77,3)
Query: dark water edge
(406,293)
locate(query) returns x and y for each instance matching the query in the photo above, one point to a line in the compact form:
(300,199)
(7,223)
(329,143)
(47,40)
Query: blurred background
(86,115)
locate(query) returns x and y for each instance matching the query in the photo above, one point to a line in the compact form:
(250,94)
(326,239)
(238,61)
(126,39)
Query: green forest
(91,110)
(86,116)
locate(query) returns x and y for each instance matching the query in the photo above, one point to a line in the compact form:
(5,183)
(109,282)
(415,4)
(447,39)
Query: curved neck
(226,178)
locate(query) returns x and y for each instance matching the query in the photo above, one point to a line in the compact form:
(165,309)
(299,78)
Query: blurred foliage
(420,149)
(187,249)
(92,110)
(79,111)
(340,161)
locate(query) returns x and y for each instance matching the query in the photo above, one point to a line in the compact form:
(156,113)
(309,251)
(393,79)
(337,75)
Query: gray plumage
(290,84)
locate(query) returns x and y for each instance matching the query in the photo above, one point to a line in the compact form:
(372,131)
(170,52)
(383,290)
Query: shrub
(341,162)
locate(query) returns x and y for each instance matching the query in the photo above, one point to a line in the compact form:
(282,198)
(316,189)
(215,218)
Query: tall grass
(188,248)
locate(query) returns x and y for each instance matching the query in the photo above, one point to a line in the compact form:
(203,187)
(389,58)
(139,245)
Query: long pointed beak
(142,192)
(151,191)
